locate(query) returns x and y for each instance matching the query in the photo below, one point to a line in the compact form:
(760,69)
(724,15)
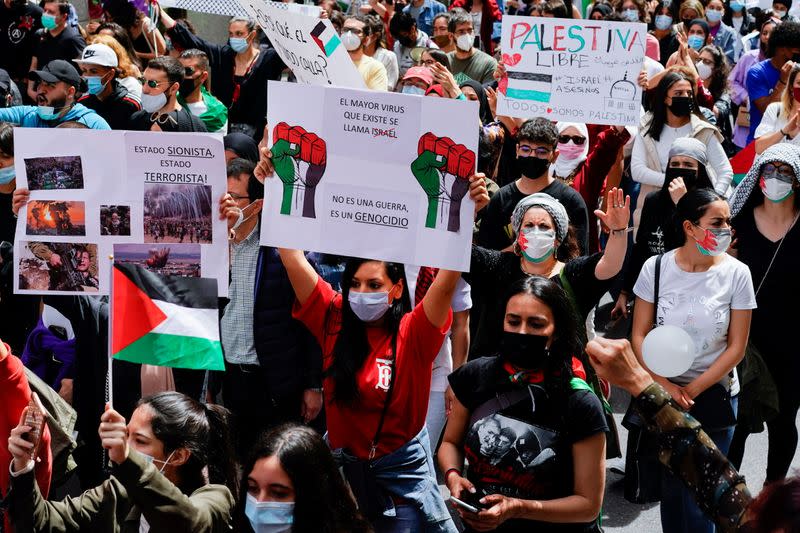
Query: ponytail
(221,464)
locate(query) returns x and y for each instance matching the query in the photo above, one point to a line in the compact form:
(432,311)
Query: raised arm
(615,218)
(301,274)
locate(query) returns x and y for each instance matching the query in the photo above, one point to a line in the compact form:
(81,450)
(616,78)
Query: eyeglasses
(427,62)
(188,71)
(238,197)
(162,119)
(151,83)
(577,139)
(783,172)
(527,151)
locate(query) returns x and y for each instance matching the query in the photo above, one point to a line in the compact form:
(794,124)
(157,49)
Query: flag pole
(110,375)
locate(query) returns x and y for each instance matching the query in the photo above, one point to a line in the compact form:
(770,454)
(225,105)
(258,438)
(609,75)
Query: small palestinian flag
(326,38)
(165,320)
(529,86)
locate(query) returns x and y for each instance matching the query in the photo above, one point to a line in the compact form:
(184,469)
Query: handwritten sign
(308,45)
(573,70)
(144,197)
(400,195)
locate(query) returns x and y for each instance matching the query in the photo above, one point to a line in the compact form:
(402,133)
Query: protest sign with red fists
(294,146)
(442,169)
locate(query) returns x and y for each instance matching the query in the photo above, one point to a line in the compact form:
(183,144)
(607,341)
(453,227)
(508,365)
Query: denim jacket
(407,473)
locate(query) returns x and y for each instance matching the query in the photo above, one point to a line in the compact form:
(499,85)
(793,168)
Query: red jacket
(16,394)
(491,14)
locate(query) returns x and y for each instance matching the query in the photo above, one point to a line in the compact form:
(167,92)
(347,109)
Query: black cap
(58,70)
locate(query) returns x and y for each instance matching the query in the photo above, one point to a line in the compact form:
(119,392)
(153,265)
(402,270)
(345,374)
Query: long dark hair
(352,348)
(182,422)
(566,339)
(692,206)
(719,76)
(660,108)
(123,38)
(322,500)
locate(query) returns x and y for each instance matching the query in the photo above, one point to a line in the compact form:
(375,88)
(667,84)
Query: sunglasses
(783,173)
(576,139)
(188,71)
(162,119)
(151,83)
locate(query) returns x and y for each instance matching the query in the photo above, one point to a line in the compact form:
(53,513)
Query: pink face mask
(570,150)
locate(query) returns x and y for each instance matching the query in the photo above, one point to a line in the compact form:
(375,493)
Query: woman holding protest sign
(378,355)
(532,433)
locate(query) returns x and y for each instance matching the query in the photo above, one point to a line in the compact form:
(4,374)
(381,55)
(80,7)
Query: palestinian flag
(326,38)
(165,320)
(741,162)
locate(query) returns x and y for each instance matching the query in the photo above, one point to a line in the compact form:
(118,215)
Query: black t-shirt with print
(18,26)
(525,449)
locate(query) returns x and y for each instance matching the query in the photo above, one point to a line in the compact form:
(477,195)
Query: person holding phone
(173,469)
(532,433)
(16,394)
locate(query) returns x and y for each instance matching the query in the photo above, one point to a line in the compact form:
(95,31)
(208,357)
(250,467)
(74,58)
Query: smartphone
(35,418)
(469,502)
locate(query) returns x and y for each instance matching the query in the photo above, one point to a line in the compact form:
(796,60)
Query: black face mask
(686,23)
(532,167)
(524,351)
(187,87)
(689,176)
(681,106)
(408,43)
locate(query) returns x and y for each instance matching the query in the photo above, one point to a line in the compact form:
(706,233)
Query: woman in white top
(675,113)
(781,122)
(709,294)
(375,47)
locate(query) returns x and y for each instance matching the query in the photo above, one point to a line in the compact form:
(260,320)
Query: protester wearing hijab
(476,92)
(687,170)
(240,145)
(765,208)
(545,245)
(585,170)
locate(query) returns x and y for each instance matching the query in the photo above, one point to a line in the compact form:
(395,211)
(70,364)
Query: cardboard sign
(153,195)
(371,174)
(572,70)
(308,45)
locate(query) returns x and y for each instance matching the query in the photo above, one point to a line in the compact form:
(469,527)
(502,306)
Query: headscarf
(702,23)
(787,154)
(605,9)
(242,145)
(483,111)
(564,167)
(553,207)
(691,147)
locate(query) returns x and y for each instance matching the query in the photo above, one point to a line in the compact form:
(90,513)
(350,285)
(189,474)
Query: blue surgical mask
(369,306)
(737,6)
(713,15)
(269,517)
(95,84)
(7,175)
(239,44)
(663,22)
(631,15)
(49,21)
(47,112)
(695,42)
(413,89)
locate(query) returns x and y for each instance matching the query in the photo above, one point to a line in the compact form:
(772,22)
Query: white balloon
(668,351)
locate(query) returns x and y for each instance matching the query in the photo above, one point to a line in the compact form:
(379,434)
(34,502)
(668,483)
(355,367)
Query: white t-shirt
(700,304)
(462,301)
(772,121)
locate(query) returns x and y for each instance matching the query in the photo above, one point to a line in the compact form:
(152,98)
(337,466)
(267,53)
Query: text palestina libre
(572,39)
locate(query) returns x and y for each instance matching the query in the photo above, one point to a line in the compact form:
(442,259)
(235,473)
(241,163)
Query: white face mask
(151,459)
(779,14)
(351,41)
(369,306)
(465,42)
(776,190)
(537,245)
(153,102)
(703,70)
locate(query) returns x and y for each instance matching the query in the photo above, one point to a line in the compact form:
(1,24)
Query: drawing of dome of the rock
(623,89)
